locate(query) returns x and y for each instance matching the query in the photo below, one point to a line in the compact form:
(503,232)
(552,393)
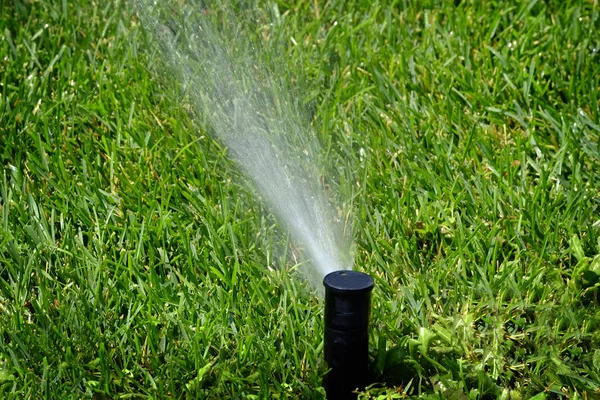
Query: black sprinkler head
(347,308)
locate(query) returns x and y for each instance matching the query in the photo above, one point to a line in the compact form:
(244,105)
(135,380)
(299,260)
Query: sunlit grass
(464,138)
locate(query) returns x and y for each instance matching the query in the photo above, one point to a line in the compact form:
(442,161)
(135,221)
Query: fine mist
(237,93)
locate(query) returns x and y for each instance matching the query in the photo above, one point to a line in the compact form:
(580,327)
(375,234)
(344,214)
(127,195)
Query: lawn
(460,141)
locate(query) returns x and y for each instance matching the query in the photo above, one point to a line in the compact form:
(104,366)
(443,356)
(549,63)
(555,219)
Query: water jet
(347,308)
(238,91)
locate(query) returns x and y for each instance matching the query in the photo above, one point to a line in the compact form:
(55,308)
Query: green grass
(463,137)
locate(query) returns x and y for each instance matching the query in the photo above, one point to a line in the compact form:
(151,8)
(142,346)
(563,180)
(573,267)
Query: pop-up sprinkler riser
(347,308)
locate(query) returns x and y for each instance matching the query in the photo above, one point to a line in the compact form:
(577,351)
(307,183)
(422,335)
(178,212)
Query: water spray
(347,307)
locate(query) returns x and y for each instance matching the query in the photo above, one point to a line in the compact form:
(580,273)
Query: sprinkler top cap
(348,282)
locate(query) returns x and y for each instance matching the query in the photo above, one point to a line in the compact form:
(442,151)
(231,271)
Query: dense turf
(463,139)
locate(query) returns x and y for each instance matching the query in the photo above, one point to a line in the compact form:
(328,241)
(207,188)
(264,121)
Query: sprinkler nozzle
(347,308)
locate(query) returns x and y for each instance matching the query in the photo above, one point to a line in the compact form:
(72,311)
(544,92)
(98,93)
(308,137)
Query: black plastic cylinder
(347,308)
